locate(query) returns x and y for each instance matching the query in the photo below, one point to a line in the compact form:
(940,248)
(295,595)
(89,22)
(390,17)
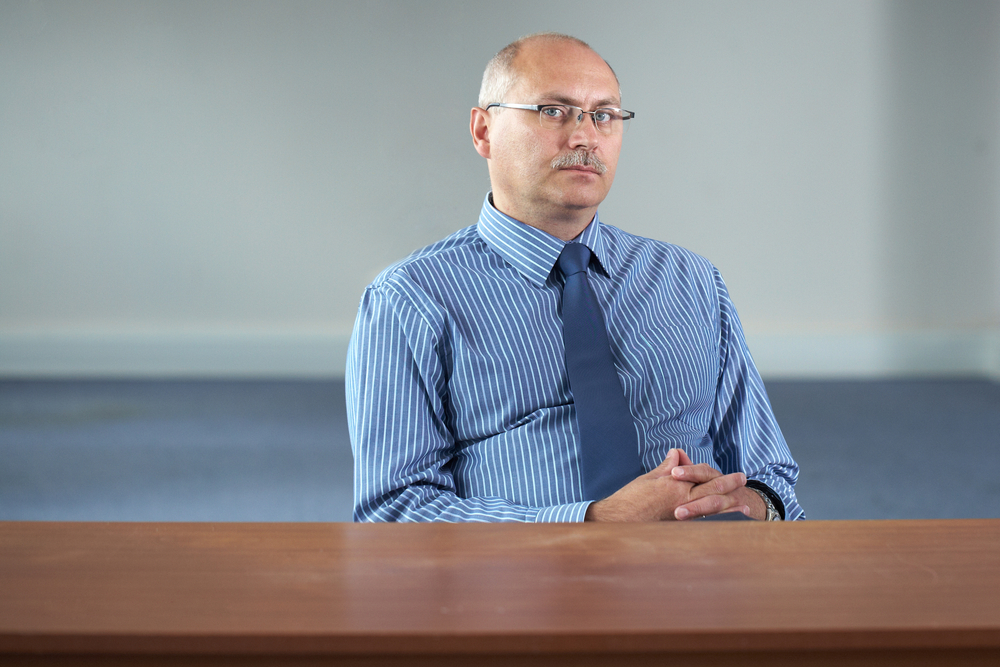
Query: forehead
(564,71)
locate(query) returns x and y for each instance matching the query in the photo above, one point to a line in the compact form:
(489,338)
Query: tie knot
(574,258)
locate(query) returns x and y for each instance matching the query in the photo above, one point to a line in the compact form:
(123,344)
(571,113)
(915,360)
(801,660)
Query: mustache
(579,159)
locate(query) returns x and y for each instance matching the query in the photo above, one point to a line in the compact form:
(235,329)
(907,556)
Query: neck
(563,231)
(563,224)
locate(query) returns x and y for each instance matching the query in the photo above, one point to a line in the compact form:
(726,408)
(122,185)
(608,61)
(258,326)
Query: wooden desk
(878,592)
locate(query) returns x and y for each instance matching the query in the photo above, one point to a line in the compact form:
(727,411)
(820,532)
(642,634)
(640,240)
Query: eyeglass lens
(559,116)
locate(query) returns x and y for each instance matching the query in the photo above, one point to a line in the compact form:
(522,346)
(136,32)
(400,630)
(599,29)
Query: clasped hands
(677,489)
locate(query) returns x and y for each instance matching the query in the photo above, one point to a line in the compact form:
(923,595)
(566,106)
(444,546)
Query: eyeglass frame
(538,107)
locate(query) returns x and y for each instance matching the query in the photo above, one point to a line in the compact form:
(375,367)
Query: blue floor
(279,451)
(893,449)
(174,451)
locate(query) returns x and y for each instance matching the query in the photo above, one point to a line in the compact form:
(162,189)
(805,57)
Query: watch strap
(769,493)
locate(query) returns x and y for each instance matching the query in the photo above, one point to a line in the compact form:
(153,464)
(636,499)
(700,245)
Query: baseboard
(322,354)
(195,354)
(875,355)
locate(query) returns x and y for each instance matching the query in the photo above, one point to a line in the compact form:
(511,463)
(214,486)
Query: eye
(554,112)
(605,115)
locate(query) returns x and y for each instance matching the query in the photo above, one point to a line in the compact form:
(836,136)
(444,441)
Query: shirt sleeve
(744,430)
(397,407)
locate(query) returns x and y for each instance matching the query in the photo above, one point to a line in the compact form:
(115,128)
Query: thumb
(672,460)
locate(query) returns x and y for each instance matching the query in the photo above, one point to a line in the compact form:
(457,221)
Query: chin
(583,201)
(584,196)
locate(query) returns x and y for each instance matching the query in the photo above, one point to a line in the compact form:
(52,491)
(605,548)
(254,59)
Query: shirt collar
(530,250)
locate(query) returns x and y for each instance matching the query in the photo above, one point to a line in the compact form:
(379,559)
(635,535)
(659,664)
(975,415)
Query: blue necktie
(609,447)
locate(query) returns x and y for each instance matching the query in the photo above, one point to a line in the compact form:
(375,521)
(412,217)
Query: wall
(205,188)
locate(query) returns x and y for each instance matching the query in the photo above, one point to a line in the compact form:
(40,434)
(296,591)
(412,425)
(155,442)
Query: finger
(696,474)
(683,459)
(742,509)
(718,486)
(739,509)
(709,505)
(670,462)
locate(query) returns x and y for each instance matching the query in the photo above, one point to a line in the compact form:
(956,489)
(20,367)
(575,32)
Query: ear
(479,126)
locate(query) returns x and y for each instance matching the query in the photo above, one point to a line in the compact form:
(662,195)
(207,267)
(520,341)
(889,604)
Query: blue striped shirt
(459,406)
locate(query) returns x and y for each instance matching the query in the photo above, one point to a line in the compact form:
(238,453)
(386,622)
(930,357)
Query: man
(460,402)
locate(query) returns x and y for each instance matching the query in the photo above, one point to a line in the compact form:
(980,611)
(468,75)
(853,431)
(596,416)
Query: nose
(585,132)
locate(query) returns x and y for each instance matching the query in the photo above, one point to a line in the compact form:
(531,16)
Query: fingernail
(682,513)
(677,472)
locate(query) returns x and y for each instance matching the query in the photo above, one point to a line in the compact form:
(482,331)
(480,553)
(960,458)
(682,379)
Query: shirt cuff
(780,493)
(569,513)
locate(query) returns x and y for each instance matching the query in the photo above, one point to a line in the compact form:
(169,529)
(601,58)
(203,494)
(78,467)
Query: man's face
(522,152)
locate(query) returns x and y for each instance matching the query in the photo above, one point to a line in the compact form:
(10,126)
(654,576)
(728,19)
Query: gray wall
(206,187)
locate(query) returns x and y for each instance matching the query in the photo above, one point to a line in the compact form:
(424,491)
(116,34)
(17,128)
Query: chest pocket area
(672,372)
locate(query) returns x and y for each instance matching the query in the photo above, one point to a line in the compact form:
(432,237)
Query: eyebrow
(562,99)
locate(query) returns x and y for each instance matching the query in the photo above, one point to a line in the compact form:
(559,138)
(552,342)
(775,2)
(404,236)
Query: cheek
(611,160)
(612,168)
(523,155)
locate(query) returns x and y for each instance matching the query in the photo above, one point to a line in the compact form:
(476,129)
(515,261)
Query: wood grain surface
(373,594)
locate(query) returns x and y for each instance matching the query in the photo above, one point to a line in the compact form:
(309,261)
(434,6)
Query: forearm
(424,503)
(745,432)
(404,468)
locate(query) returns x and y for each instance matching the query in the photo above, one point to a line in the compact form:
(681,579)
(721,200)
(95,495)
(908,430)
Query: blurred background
(193,196)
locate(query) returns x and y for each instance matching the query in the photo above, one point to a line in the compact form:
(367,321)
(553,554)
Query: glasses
(607,120)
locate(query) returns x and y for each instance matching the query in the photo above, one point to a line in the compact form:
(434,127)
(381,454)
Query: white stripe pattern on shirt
(459,407)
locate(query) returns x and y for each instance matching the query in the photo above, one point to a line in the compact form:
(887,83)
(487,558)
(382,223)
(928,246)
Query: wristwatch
(772,511)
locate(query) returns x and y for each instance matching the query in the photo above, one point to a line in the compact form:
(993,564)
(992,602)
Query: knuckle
(732,482)
(718,486)
(717,503)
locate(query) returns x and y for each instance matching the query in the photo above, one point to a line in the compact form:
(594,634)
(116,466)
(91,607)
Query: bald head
(549,178)
(501,71)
